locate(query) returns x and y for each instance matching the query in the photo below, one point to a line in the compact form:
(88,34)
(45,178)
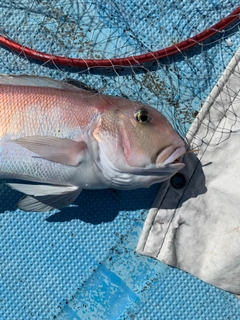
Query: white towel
(197,228)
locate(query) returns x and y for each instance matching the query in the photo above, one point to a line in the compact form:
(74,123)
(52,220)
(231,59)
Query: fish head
(149,139)
(138,139)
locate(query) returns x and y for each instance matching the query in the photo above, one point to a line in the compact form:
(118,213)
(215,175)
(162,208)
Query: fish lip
(172,158)
(177,166)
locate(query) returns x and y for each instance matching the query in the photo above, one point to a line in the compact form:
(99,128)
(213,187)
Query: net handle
(127,61)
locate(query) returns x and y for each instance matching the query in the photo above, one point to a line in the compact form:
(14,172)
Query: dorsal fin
(79,84)
(36,81)
(27,80)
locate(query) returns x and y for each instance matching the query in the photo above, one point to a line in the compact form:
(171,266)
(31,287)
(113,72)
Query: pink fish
(63,139)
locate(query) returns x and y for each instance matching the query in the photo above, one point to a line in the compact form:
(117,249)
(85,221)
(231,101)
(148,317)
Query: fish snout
(170,157)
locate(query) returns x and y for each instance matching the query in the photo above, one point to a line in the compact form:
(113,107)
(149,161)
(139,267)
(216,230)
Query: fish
(58,137)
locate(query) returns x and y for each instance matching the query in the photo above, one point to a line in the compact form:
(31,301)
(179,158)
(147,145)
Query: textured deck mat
(80,263)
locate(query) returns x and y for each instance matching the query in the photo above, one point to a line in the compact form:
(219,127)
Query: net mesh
(177,85)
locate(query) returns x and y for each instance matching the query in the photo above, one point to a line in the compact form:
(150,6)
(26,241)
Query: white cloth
(197,228)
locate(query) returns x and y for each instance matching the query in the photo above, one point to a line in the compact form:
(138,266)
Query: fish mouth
(170,157)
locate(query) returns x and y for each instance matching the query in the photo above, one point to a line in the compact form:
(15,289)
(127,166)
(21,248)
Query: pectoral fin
(43,198)
(61,150)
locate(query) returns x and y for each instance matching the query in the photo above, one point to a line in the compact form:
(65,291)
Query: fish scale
(66,139)
(43,110)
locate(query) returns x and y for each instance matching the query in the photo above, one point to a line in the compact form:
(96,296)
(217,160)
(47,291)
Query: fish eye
(142,116)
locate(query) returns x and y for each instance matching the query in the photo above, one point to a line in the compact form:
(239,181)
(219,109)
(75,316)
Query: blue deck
(80,263)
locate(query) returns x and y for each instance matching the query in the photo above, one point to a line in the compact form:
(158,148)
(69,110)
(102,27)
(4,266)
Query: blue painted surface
(130,286)
(80,263)
(46,259)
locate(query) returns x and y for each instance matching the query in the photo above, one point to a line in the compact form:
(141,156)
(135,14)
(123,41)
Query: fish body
(63,139)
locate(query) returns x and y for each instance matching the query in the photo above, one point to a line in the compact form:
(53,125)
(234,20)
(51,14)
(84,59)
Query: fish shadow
(92,206)
(99,206)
